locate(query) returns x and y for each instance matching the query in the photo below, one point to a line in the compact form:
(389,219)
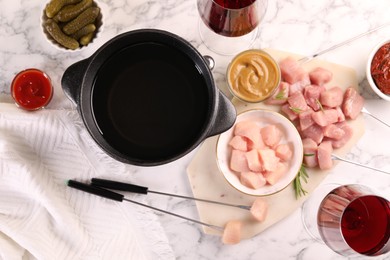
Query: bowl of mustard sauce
(253,75)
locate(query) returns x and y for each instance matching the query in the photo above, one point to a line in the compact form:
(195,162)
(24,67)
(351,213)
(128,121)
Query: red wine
(229,17)
(234,4)
(365,224)
(350,221)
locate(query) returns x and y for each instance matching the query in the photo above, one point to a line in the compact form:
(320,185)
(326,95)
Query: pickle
(85,40)
(55,31)
(54,6)
(70,12)
(89,28)
(86,17)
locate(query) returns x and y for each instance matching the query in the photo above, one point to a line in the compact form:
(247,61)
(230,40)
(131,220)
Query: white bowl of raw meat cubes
(261,154)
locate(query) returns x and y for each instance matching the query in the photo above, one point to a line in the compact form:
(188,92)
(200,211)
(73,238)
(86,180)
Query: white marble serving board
(208,183)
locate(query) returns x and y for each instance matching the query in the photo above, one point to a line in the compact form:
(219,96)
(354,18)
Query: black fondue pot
(147,97)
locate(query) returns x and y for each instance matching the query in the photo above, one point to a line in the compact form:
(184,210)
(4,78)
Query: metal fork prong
(365,111)
(335,157)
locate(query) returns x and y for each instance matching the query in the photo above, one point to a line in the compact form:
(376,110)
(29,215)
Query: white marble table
(301,26)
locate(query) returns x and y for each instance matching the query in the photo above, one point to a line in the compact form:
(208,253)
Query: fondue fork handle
(120,197)
(96,190)
(115,185)
(335,157)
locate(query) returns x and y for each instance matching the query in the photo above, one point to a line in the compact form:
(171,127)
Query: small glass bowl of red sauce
(31,89)
(378,70)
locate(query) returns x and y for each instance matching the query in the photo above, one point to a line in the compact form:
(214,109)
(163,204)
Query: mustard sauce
(253,75)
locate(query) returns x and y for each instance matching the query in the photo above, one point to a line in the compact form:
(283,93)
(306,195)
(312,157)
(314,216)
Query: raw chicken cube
(268,159)
(332,97)
(314,132)
(252,180)
(300,85)
(291,70)
(259,209)
(280,95)
(320,76)
(324,155)
(239,143)
(310,152)
(250,130)
(352,104)
(238,161)
(253,160)
(258,145)
(319,118)
(283,151)
(312,94)
(271,135)
(297,102)
(305,118)
(274,176)
(325,117)
(348,133)
(331,115)
(341,116)
(288,112)
(311,160)
(232,232)
(333,131)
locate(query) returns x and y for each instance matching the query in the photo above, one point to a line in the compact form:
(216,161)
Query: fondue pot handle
(226,115)
(210,61)
(226,112)
(72,80)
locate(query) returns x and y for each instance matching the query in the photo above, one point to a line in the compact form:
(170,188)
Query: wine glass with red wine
(351,219)
(230,26)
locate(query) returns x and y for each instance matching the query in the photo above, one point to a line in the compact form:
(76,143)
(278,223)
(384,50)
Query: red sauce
(380,68)
(31,89)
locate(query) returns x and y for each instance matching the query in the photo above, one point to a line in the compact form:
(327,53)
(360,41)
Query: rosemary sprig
(280,95)
(302,175)
(296,110)
(320,105)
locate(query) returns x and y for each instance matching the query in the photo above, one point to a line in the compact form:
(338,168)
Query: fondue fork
(365,111)
(335,157)
(310,57)
(120,197)
(121,186)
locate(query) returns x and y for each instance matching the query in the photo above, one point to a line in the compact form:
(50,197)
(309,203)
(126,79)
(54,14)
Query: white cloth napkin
(42,218)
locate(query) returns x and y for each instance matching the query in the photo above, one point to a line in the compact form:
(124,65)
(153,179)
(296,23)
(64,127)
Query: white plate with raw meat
(261,154)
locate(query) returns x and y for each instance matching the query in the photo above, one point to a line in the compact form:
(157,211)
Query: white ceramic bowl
(98,23)
(290,135)
(368,71)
